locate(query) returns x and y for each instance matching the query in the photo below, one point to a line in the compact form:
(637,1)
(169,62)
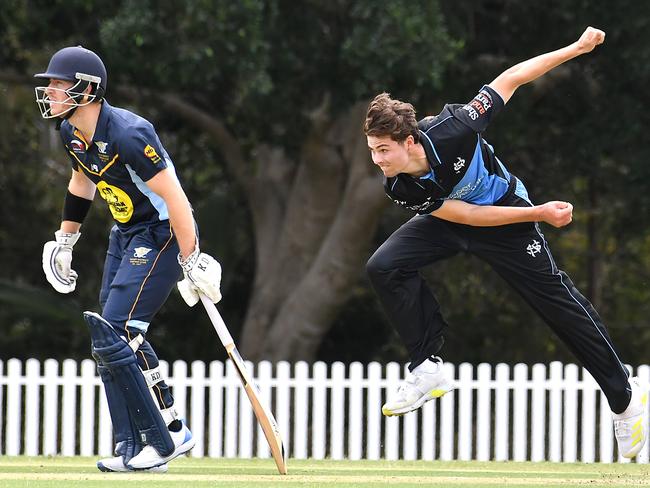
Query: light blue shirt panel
(477,186)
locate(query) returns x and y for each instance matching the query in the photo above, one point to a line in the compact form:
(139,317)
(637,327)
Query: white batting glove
(57,259)
(202,275)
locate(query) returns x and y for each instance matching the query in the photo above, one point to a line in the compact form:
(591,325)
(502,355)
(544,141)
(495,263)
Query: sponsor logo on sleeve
(151,153)
(479,105)
(77,146)
(410,205)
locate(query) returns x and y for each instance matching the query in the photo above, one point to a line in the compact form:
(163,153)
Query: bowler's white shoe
(630,425)
(426,382)
(149,457)
(116,465)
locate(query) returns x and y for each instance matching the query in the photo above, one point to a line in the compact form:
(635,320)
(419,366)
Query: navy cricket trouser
(519,254)
(140,271)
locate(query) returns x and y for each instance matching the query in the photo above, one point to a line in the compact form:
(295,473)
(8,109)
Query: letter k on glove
(202,275)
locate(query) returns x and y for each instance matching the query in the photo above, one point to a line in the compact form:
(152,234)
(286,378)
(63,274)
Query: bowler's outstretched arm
(520,74)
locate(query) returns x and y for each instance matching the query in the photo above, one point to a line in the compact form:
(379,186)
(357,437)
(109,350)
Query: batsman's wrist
(188,263)
(67,239)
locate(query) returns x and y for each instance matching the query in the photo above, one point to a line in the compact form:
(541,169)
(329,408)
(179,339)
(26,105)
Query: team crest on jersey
(534,248)
(151,153)
(101,146)
(140,252)
(140,256)
(459,164)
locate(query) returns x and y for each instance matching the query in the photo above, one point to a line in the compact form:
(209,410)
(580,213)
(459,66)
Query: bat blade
(262,413)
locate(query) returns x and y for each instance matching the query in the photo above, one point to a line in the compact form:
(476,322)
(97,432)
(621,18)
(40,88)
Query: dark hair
(388,117)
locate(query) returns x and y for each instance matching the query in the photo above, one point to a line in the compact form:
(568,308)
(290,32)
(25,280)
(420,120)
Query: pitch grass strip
(60,472)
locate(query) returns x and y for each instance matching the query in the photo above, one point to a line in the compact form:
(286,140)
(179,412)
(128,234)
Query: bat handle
(217,321)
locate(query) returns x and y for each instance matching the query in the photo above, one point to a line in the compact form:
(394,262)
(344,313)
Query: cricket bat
(264,416)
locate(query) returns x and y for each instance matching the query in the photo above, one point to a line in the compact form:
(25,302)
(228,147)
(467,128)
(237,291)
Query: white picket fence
(539,413)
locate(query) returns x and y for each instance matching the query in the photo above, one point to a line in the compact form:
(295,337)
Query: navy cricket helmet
(75,64)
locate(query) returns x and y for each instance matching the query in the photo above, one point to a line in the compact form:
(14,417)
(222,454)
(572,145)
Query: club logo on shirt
(151,153)
(140,256)
(101,146)
(119,203)
(534,248)
(459,164)
(140,252)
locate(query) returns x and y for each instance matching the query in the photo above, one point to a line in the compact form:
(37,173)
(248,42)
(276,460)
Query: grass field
(60,472)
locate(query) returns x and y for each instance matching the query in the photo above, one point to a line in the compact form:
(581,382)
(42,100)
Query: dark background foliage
(264,68)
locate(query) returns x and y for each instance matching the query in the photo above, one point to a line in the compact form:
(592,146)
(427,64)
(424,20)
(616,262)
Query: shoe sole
(437,393)
(154,469)
(182,449)
(104,469)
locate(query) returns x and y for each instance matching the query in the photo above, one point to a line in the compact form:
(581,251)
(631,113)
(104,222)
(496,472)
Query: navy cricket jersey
(463,165)
(124,154)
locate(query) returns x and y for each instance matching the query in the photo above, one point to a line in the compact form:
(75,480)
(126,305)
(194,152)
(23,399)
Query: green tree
(282,94)
(260,104)
(574,134)
(275,98)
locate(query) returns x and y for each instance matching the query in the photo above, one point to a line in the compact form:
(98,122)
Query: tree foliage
(260,104)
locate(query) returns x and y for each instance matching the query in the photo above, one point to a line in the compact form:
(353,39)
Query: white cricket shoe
(630,425)
(149,457)
(426,382)
(116,465)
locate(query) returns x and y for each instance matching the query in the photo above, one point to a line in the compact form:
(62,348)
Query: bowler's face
(391,156)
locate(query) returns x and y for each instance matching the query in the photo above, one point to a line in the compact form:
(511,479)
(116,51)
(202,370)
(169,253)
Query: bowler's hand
(589,39)
(558,214)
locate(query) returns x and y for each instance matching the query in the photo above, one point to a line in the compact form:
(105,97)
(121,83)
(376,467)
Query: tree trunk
(329,223)
(308,312)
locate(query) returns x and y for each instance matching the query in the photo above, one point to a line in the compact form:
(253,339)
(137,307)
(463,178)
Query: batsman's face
(58,98)
(391,156)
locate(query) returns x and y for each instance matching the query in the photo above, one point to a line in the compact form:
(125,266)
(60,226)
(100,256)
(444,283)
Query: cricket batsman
(154,241)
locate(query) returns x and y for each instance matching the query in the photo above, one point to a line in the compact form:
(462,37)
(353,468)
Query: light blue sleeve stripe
(138,324)
(521,192)
(156,200)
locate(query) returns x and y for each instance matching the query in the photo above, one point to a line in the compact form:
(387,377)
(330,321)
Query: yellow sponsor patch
(151,153)
(119,203)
